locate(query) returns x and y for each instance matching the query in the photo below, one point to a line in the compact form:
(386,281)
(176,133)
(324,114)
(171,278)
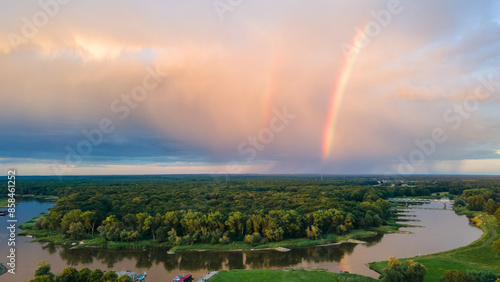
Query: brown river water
(441,230)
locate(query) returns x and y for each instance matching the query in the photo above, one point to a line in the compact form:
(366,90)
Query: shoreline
(279,249)
(95,241)
(4,202)
(54,237)
(461,258)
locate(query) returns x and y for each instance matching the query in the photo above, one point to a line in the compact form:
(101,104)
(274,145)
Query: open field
(289,276)
(479,255)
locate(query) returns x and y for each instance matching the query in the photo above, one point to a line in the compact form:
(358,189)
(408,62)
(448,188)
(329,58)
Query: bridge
(422,201)
(413,200)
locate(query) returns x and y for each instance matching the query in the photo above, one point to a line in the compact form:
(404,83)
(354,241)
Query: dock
(207,276)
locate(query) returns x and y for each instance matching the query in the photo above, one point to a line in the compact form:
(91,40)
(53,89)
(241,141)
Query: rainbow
(339,91)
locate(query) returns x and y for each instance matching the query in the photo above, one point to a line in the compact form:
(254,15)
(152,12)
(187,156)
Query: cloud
(226,77)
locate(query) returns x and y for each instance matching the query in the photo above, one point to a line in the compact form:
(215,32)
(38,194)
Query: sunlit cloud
(227,78)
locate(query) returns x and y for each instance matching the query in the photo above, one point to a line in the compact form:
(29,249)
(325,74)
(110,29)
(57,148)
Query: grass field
(479,255)
(288,276)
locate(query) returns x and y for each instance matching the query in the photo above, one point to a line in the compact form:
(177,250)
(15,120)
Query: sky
(238,86)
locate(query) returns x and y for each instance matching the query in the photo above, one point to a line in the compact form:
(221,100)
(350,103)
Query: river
(441,230)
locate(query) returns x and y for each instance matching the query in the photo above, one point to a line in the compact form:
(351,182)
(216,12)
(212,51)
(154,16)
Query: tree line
(70,274)
(185,211)
(188,227)
(256,209)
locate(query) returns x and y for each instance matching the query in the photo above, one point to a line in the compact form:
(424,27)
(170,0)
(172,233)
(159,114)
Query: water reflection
(205,260)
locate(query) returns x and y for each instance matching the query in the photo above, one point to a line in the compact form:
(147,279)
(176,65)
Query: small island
(186,215)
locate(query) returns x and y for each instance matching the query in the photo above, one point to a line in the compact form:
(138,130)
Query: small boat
(4,213)
(186,278)
(141,278)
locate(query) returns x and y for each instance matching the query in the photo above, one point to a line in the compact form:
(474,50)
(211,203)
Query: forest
(181,210)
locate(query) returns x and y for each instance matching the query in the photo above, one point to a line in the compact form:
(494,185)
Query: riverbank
(328,239)
(285,275)
(38,197)
(4,202)
(96,241)
(478,255)
(354,237)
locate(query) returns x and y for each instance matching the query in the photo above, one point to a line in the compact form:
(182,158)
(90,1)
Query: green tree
(54,219)
(497,215)
(44,271)
(96,275)
(391,275)
(224,239)
(111,228)
(172,237)
(124,278)
(460,202)
(73,216)
(411,271)
(90,219)
(456,276)
(414,271)
(249,239)
(313,232)
(76,230)
(377,221)
(109,276)
(44,278)
(496,245)
(475,203)
(394,263)
(482,275)
(84,275)
(215,220)
(491,206)
(69,274)
(141,220)
(235,224)
(368,220)
(153,223)
(171,220)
